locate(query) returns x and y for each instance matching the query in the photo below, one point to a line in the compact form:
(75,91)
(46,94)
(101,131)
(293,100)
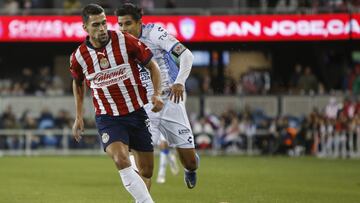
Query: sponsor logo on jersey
(109,77)
(187,28)
(105,137)
(101,53)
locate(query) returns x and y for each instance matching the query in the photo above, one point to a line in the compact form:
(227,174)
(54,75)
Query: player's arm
(144,56)
(78,86)
(79,93)
(156,81)
(170,44)
(186,59)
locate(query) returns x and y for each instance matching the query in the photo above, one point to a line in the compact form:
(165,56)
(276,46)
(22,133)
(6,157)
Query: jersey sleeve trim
(147,60)
(173,47)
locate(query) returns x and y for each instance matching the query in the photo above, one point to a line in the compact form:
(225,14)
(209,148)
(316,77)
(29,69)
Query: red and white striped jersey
(112,74)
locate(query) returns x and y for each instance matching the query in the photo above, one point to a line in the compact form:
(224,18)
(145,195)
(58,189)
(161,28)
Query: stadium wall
(271,105)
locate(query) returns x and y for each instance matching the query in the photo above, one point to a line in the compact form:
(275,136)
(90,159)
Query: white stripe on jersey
(126,96)
(107,95)
(111,101)
(136,87)
(122,85)
(123,47)
(94,59)
(110,54)
(101,105)
(111,57)
(81,61)
(125,57)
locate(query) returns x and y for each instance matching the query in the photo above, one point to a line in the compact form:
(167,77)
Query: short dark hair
(129,9)
(91,9)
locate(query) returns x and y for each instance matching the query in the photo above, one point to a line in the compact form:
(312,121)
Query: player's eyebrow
(98,23)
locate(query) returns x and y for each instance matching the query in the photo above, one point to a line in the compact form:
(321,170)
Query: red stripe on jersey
(116,48)
(132,93)
(118,99)
(96,105)
(87,58)
(104,101)
(142,89)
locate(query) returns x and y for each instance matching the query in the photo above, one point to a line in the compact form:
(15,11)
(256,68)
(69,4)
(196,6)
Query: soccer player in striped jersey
(172,121)
(107,62)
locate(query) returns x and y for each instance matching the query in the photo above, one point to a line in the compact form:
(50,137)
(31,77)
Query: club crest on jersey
(187,28)
(104,63)
(105,137)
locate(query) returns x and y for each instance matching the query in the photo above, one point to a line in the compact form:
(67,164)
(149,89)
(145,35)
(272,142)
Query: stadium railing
(28,135)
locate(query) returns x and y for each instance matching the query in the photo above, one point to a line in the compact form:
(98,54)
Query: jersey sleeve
(76,69)
(161,37)
(138,49)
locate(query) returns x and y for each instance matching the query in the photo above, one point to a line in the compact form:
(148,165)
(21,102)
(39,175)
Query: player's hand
(157,102)
(177,92)
(78,129)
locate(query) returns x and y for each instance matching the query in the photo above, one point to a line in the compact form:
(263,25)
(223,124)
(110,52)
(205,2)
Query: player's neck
(139,33)
(97,44)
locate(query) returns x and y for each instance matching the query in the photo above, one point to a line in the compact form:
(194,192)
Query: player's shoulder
(148,26)
(146,30)
(128,36)
(78,48)
(158,28)
(152,29)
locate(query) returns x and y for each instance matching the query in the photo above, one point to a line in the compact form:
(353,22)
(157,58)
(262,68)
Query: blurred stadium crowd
(330,132)
(302,81)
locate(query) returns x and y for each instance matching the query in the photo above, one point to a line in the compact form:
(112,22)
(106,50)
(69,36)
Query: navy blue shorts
(131,129)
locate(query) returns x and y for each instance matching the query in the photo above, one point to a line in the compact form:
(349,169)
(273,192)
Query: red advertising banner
(194,28)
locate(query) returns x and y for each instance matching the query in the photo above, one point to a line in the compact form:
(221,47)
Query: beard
(103,39)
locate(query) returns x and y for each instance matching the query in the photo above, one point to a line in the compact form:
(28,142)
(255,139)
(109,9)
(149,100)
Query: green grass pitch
(86,179)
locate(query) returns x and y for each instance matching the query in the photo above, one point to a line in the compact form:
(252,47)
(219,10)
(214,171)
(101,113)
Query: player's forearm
(79,92)
(186,61)
(155,76)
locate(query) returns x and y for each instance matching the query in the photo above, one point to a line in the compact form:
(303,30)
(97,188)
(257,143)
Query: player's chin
(103,38)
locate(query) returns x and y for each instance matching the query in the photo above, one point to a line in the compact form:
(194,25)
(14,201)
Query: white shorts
(171,123)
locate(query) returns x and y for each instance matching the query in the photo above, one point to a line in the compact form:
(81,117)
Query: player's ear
(84,27)
(139,22)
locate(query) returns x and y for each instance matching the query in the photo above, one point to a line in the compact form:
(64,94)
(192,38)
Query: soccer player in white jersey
(172,121)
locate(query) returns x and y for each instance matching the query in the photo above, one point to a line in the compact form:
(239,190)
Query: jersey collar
(88,43)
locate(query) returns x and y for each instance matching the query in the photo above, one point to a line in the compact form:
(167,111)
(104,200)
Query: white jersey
(161,44)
